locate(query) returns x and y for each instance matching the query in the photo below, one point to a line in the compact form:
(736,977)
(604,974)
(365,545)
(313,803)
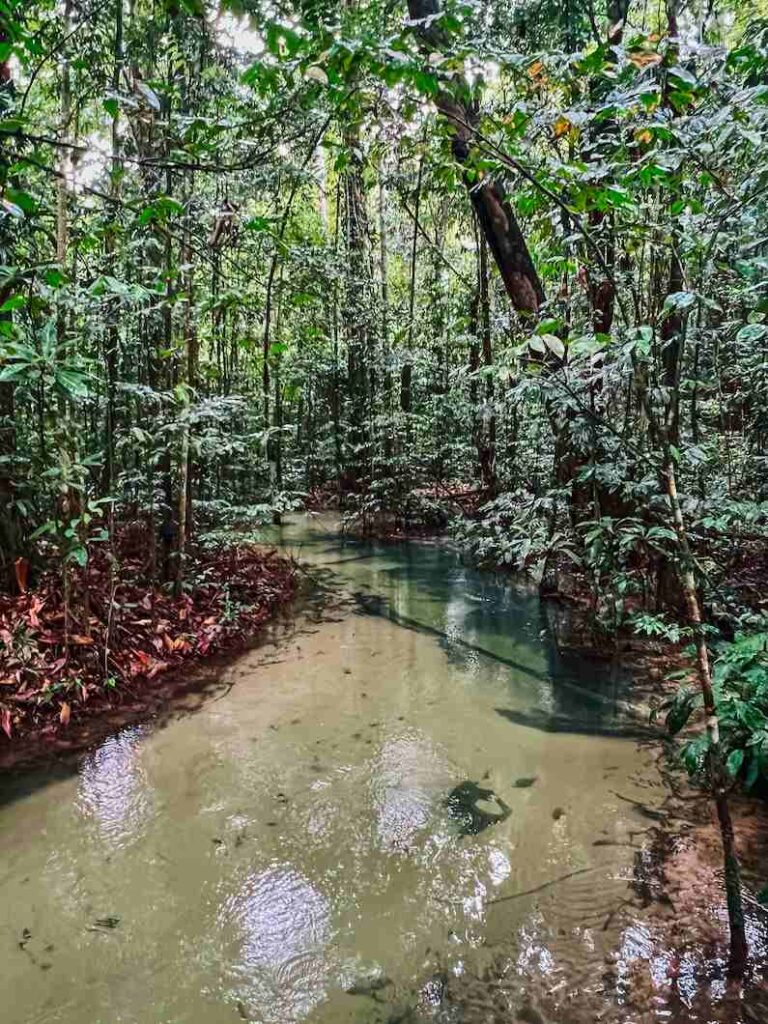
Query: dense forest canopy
(505,261)
(251,253)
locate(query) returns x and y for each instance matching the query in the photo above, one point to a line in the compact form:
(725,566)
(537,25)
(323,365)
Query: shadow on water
(561,723)
(18,784)
(430,592)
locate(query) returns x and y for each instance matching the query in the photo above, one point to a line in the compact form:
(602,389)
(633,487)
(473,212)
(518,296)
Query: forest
(491,272)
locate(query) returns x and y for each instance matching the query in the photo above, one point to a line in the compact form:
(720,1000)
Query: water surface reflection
(286,854)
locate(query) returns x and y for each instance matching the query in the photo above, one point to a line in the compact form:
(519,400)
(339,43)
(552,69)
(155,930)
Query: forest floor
(129,647)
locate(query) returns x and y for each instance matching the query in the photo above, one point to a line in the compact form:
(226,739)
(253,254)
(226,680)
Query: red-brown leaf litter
(124,634)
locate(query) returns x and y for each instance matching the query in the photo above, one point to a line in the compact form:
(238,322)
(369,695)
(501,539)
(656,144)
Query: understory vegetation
(496,269)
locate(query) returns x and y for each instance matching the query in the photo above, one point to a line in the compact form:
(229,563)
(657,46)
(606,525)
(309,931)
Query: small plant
(740,683)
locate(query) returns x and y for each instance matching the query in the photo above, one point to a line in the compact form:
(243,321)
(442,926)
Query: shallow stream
(289,852)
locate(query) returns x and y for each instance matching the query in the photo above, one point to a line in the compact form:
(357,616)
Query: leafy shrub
(740,681)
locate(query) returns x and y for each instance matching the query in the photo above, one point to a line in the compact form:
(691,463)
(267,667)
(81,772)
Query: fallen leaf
(643,59)
(34,608)
(65,713)
(5,722)
(561,126)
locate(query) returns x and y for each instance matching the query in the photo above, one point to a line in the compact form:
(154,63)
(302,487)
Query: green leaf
(753,771)
(537,344)
(21,199)
(80,556)
(71,381)
(14,372)
(54,278)
(258,224)
(680,711)
(752,332)
(160,209)
(554,344)
(426,83)
(734,762)
(282,41)
(679,301)
(12,209)
(682,75)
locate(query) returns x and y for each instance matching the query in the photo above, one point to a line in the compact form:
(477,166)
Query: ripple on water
(280,928)
(114,794)
(406,779)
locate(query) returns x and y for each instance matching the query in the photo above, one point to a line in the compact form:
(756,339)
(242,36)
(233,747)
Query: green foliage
(741,689)
(271,284)
(740,679)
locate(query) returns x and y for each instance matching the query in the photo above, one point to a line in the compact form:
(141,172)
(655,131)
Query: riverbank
(120,648)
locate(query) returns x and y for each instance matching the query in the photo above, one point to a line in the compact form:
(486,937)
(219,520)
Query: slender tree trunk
(10,539)
(357,313)
(70,499)
(384,294)
(487,441)
(406,373)
(182,510)
(717,774)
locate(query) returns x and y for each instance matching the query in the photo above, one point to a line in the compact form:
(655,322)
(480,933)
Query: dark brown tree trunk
(358,300)
(485,416)
(10,539)
(494,212)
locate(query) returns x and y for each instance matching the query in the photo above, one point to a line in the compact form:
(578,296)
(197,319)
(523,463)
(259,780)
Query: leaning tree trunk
(494,212)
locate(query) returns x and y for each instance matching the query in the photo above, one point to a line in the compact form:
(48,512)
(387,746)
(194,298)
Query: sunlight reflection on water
(284,926)
(114,793)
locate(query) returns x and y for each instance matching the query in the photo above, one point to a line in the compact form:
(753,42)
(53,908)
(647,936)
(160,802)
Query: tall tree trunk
(357,318)
(112,334)
(384,295)
(10,539)
(406,373)
(485,416)
(717,773)
(70,497)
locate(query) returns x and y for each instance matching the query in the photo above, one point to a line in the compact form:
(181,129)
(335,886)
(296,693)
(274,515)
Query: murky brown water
(290,841)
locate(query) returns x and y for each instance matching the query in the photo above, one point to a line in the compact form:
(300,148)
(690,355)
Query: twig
(543,886)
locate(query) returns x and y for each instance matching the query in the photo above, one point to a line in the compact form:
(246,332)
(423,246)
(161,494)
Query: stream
(405,807)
